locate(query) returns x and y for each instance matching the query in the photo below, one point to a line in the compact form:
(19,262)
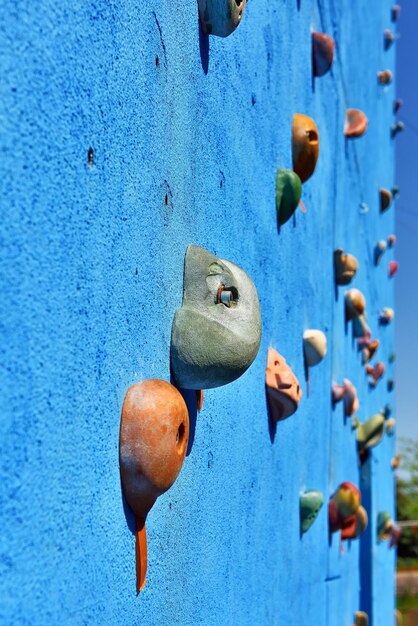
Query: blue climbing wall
(186,134)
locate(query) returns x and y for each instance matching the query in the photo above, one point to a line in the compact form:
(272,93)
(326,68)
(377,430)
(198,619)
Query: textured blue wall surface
(187,134)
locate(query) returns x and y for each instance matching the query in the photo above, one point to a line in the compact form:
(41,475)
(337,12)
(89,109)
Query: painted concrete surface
(186,135)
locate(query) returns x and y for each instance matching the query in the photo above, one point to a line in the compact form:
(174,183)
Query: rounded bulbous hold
(391,240)
(221,17)
(362,619)
(385,526)
(355,303)
(385,199)
(386,316)
(153,442)
(283,389)
(379,251)
(355,123)
(393,268)
(370,433)
(384,77)
(355,524)
(305,146)
(397,127)
(343,504)
(390,426)
(389,37)
(322,53)
(345,266)
(395,462)
(216,332)
(375,372)
(310,504)
(314,346)
(288,194)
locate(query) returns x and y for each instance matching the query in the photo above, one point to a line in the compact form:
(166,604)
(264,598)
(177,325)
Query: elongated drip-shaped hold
(355,123)
(390,426)
(221,17)
(305,146)
(153,441)
(322,53)
(370,433)
(283,389)
(310,504)
(314,346)
(385,199)
(345,267)
(288,194)
(348,393)
(342,505)
(384,77)
(397,105)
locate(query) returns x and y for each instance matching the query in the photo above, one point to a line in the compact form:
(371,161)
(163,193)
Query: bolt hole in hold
(312,136)
(180,434)
(238,2)
(226,295)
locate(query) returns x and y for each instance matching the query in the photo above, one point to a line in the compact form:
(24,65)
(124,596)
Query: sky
(406,212)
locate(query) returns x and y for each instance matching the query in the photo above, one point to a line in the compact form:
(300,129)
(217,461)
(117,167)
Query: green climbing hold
(288,193)
(310,504)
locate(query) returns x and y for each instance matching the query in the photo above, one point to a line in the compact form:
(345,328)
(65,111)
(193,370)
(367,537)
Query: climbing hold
(342,504)
(370,433)
(345,267)
(314,346)
(355,303)
(396,10)
(355,524)
(393,268)
(310,504)
(390,426)
(395,461)
(397,127)
(385,199)
(220,17)
(379,251)
(283,389)
(153,442)
(288,193)
(322,53)
(397,105)
(384,77)
(305,146)
(389,37)
(216,333)
(385,526)
(361,618)
(348,393)
(375,373)
(386,316)
(391,384)
(391,240)
(355,123)
(369,349)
